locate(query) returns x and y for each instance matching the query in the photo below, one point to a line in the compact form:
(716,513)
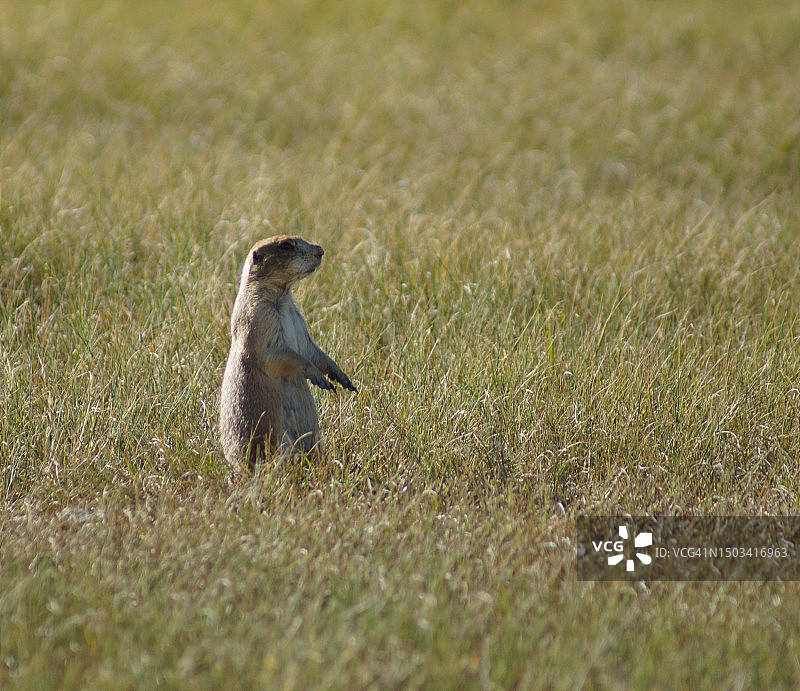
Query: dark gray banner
(707,548)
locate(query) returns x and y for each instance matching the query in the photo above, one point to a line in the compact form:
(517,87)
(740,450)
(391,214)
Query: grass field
(562,266)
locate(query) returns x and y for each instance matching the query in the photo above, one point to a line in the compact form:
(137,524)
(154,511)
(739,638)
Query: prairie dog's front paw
(343,379)
(317,378)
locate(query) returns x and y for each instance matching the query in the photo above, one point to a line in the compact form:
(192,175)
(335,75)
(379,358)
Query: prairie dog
(265,402)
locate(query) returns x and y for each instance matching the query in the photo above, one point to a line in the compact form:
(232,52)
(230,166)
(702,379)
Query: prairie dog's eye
(256,257)
(286,245)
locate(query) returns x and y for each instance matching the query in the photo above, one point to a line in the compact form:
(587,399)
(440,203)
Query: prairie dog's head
(278,262)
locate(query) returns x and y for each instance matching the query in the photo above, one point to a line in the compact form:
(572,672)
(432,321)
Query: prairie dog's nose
(319,250)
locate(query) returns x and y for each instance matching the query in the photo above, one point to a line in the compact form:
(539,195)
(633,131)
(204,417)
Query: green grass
(562,266)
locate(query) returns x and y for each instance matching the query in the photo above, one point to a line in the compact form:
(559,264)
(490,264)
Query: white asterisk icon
(640,541)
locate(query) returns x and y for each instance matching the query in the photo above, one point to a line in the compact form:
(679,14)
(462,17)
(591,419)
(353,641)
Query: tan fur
(265,402)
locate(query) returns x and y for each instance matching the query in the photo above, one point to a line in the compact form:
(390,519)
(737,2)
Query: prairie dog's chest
(292,328)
